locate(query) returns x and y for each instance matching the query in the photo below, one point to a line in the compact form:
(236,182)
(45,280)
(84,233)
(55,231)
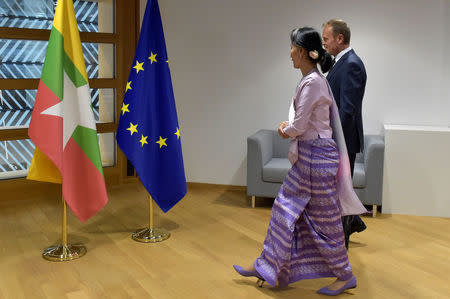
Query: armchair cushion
(276,170)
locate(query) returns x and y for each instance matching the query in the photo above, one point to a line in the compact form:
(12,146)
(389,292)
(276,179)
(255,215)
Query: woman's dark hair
(309,39)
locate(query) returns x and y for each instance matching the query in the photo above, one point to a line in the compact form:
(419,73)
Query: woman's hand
(282,125)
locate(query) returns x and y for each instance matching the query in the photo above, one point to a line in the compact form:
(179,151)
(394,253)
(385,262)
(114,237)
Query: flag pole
(64,252)
(150,218)
(64,224)
(150,234)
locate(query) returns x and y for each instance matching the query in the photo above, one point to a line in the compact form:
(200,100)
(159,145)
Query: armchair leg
(253,202)
(374,211)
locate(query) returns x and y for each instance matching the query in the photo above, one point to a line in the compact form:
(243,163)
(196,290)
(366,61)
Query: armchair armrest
(259,152)
(373,164)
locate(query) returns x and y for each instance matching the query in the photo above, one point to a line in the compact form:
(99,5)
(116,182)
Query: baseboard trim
(192,185)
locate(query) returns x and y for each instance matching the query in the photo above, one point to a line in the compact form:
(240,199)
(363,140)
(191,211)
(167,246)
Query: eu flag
(148,131)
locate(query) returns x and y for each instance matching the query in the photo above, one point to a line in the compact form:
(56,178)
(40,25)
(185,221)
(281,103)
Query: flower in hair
(314,54)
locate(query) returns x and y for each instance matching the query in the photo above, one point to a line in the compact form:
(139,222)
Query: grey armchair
(268,165)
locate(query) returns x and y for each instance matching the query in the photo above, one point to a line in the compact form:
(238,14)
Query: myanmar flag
(62,124)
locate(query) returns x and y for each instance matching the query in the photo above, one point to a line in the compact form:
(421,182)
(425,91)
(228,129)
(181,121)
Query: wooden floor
(212,228)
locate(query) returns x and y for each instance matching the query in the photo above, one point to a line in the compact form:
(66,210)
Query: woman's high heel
(260,282)
(253,273)
(351,284)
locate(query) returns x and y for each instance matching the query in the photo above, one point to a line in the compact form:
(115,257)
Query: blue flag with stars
(148,131)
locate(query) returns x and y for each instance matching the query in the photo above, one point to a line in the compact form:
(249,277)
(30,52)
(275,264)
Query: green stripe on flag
(56,61)
(73,72)
(88,141)
(52,72)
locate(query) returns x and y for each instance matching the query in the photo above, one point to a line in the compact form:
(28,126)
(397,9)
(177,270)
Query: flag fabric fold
(42,169)
(148,131)
(62,123)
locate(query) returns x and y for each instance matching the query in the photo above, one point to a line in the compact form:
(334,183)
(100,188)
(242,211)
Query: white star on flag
(74,100)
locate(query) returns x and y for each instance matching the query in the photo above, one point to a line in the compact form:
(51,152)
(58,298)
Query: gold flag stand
(64,252)
(150,234)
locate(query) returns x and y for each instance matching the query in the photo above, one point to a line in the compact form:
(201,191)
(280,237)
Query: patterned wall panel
(38,14)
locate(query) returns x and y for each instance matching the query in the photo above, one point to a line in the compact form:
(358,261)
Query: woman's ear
(303,53)
(300,52)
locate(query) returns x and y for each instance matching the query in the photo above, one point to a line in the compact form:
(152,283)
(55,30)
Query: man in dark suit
(347,78)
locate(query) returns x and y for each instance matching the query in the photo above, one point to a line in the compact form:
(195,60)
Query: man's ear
(340,38)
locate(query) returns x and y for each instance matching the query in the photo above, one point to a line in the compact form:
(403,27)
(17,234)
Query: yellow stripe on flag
(66,23)
(43,169)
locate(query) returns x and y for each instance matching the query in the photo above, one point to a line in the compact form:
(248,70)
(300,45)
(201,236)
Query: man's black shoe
(357,225)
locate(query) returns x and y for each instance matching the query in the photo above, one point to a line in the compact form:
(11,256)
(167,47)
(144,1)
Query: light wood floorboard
(212,228)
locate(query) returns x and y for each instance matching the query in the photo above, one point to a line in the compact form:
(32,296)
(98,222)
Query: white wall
(232,73)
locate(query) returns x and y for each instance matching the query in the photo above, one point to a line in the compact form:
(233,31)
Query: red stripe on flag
(83,185)
(46,131)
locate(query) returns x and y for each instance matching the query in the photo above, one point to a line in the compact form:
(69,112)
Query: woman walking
(305,238)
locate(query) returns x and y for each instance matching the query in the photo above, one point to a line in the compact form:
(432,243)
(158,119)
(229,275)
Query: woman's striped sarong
(305,238)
